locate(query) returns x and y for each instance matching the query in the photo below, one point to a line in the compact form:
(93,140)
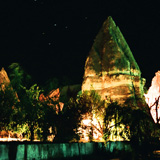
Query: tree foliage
(70,119)
(19,78)
(86,105)
(137,121)
(30,108)
(47,119)
(20,106)
(8,100)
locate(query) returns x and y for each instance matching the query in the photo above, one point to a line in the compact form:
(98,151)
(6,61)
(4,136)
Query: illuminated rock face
(110,68)
(4,78)
(153,95)
(54,96)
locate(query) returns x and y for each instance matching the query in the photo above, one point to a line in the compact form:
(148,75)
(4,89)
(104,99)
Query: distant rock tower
(110,68)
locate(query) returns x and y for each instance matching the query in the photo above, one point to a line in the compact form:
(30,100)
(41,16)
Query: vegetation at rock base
(23,112)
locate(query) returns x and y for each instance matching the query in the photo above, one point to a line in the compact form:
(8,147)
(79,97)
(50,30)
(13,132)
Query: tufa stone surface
(110,68)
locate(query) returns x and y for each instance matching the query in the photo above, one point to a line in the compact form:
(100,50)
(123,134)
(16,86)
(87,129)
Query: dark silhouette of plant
(70,118)
(19,78)
(138,125)
(137,119)
(51,84)
(8,100)
(49,112)
(29,108)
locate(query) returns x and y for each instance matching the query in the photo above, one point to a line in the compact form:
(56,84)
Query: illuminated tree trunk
(157,101)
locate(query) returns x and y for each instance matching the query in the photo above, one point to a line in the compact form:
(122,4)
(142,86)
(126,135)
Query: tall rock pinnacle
(110,68)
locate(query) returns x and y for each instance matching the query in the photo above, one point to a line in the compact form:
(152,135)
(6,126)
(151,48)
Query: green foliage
(23,112)
(69,120)
(112,121)
(85,105)
(38,115)
(29,106)
(18,77)
(8,100)
(47,119)
(139,125)
(20,108)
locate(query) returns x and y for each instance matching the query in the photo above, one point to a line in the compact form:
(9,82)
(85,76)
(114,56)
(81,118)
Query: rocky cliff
(110,68)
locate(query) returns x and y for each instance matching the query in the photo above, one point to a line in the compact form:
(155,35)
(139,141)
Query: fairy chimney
(110,68)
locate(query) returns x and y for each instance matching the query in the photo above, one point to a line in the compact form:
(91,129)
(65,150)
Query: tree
(67,122)
(140,121)
(8,100)
(137,120)
(95,112)
(22,109)
(132,122)
(19,78)
(113,121)
(16,76)
(48,118)
(70,119)
(38,115)
(29,105)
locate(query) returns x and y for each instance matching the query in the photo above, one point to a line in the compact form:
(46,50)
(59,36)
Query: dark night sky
(51,38)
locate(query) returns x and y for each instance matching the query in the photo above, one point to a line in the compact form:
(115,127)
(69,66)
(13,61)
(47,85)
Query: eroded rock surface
(110,68)
(153,97)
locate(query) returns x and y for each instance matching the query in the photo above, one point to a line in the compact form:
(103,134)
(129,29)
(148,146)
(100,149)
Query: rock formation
(110,68)
(153,97)
(4,79)
(53,96)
